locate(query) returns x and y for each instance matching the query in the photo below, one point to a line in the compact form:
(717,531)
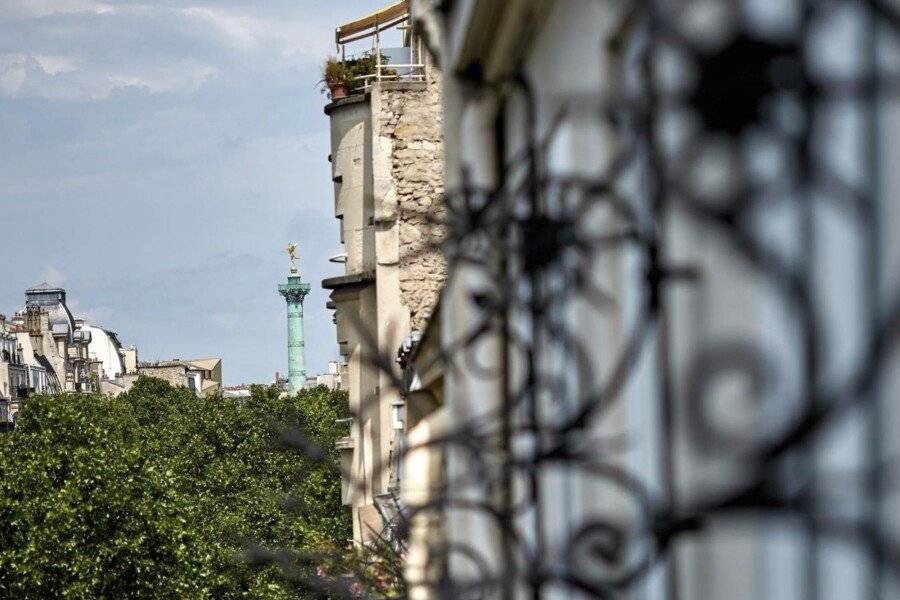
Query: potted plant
(336,77)
(342,78)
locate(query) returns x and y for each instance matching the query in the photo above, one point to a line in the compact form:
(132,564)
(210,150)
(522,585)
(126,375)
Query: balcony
(401,62)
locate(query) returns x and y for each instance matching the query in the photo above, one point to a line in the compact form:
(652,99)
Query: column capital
(295,290)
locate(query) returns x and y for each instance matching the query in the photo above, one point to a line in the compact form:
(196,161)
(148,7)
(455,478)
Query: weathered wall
(351,172)
(173,375)
(410,125)
(112,388)
(387,164)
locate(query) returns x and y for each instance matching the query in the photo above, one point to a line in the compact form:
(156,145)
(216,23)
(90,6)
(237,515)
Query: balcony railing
(393,17)
(392,72)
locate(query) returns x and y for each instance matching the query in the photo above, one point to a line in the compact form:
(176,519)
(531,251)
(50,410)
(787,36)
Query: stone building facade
(386,155)
(203,376)
(334,379)
(14,377)
(47,329)
(45,349)
(408,130)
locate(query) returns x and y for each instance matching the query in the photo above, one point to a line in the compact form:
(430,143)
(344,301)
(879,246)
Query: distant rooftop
(44,287)
(236,388)
(206,364)
(45,294)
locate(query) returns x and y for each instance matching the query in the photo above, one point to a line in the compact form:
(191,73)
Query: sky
(156,157)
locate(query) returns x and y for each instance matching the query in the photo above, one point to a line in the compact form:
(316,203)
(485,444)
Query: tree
(153,494)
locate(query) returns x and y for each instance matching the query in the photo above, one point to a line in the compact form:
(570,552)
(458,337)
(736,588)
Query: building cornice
(348,101)
(409,86)
(492,36)
(345,281)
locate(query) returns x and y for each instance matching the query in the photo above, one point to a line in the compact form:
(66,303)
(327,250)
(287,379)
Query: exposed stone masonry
(411,119)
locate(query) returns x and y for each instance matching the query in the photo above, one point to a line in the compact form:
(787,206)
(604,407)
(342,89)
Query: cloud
(159,154)
(96,316)
(13,72)
(159,48)
(292,38)
(30,9)
(63,77)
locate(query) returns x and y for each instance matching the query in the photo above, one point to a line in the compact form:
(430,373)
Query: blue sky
(156,158)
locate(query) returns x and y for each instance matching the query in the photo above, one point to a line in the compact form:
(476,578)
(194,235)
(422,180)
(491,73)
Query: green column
(294,291)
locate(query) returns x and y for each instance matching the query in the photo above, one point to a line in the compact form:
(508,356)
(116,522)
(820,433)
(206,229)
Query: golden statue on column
(292,254)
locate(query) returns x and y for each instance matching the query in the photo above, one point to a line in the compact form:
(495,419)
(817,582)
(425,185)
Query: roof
(105,346)
(44,287)
(53,300)
(43,362)
(162,364)
(207,364)
(388,15)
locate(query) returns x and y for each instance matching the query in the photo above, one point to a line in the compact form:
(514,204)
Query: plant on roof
(352,72)
(334,73)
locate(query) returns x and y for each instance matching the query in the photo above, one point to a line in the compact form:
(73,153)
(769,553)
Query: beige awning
(377,19)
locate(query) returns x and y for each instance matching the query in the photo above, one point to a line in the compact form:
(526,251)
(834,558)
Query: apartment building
(386,156)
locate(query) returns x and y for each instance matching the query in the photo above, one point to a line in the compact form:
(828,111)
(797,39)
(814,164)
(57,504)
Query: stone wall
(172,374)
(411,125)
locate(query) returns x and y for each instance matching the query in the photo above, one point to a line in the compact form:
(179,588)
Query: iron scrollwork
(723,133)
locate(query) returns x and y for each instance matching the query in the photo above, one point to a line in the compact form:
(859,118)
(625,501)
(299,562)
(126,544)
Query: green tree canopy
(151,494)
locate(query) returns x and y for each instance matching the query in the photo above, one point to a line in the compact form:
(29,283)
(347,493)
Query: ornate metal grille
(719,268)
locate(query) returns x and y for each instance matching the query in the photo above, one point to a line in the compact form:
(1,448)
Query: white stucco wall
(103,348)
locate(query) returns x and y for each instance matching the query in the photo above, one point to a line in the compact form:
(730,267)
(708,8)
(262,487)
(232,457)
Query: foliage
(335,71)
(374,571)
(377,570)
(352,71)
(152,494)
